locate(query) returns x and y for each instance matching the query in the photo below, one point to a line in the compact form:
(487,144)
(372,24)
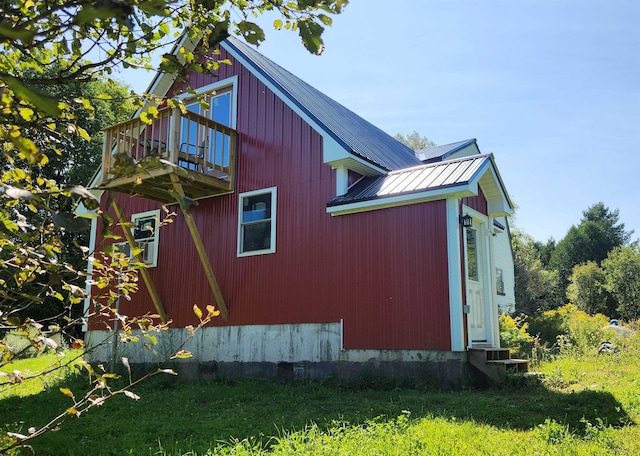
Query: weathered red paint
(384,272)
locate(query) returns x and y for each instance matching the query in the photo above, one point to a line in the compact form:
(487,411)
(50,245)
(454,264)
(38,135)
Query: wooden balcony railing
(139,157)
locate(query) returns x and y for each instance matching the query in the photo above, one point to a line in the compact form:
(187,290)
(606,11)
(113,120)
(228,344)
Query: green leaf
(44,102)
(144,117)
(311,33)
(67,392)
(251,32)
(108,375)
(182,354)
(22,34)
(26,113)
(326,20)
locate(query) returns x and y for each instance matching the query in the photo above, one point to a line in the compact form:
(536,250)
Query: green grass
(586,405)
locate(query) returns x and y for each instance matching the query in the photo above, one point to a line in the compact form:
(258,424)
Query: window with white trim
(145,233)
(217,102)
(257,222)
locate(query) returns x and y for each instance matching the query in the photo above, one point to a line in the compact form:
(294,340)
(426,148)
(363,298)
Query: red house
(329,246)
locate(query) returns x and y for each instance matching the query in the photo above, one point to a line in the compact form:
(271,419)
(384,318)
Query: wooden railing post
(174,135)
(106,154)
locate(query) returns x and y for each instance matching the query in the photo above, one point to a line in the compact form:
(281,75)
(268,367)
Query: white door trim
(481,225)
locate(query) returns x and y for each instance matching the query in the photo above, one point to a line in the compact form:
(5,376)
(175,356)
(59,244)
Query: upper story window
(257,222)
(145,233)
(217,104)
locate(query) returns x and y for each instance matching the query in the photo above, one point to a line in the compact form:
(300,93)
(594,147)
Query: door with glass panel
(203,145)
(475,275)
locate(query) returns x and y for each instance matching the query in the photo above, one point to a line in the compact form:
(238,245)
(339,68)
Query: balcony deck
(146,159)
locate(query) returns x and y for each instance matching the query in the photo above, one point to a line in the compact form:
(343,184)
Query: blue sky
(550,87)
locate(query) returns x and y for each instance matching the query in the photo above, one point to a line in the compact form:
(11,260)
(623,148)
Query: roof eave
(371,204)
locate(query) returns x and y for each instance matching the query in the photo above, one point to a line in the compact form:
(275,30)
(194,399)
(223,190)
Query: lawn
(585,405)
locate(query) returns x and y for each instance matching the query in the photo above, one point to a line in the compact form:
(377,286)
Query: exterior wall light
(466,221)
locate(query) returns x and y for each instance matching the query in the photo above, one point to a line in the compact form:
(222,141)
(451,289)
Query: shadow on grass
(198,416)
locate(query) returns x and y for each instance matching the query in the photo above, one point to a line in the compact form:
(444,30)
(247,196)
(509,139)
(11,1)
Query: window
(200,141)
(472,254)
(257,222)
(500,282)
(145,233)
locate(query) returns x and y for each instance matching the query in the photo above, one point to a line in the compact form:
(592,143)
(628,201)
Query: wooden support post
(143,271)
(197,240)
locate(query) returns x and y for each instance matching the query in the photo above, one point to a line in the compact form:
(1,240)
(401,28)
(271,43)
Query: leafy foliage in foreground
(51,54)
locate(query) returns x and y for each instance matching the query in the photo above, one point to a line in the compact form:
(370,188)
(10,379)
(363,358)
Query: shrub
(548,326)
(514,335)
(569,329)
(587,330)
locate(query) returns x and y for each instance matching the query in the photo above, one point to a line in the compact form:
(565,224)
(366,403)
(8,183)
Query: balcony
(147,159)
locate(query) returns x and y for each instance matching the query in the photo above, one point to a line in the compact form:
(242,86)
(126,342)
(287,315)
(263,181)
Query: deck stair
(495,363)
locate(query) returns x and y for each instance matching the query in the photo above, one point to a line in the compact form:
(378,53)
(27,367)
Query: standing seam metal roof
(431,176)
(357,135)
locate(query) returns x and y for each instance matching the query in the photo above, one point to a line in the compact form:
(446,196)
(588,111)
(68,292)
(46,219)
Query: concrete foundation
(284,352)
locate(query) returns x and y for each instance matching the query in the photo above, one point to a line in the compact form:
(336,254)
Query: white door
(476,275)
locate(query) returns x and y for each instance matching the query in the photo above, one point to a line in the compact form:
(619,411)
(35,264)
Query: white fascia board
(495,206)
(402,200)
(335,156)
(498,179)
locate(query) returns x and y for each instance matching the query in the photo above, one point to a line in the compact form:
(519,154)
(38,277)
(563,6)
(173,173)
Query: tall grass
(584,404)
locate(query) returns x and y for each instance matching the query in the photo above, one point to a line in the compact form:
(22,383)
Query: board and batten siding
(382,273)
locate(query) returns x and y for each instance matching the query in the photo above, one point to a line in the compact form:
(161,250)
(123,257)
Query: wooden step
(495,363)
(512,365)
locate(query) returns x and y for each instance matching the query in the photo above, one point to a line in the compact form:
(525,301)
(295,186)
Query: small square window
(257,222)
(145,233)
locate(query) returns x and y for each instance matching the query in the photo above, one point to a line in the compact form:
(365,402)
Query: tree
(587,290)
(545,251)
(535,287)
(77,161)
(622,274)
(592,239)
(415,141)
(47,49)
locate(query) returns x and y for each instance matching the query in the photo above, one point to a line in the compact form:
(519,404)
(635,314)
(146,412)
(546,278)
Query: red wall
(383,272)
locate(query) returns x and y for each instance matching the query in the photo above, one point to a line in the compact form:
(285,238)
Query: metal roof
(355,134)
(438,153)
(451,173)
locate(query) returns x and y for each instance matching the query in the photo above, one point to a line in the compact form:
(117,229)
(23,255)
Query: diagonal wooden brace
(143,271)
(197,240)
